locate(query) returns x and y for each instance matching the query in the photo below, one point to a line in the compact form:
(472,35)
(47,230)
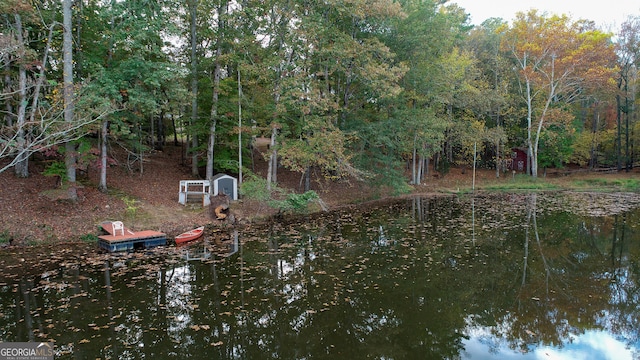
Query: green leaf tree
(130,62)
(497,105)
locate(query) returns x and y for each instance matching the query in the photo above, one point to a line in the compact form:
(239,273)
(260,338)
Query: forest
(382,90)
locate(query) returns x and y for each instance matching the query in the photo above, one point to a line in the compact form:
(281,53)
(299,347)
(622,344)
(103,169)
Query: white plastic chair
(117,226)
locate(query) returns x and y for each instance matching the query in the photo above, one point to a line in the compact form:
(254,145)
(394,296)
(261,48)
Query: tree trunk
(175,131)
(426,166)
(102,186)
(448,142)
(619,135)
(530,158)
(533,160)
(627,154)
(152,134)
(213,117)
(211,148)
(67,54)
(436,161)
(160,141)
(239,129)
(414,175)
(272,164)
(595,125)
(634,115)
(79,59)
(41,76)
(21,167)
(141,150)
(498,161)
(8,116)
(420,171)
(307,179)
(194,87)
(104,135)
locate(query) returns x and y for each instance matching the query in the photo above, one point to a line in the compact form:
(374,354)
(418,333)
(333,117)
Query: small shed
(519,160)
(194,190)
(225,184)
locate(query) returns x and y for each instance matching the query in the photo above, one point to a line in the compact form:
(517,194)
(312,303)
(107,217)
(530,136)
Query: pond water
(507,276)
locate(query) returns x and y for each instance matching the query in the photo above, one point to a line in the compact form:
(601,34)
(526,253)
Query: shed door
(225,186)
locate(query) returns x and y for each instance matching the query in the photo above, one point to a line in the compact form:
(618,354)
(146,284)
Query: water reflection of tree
(563,288)
(532,227)
(625,289)
(535,317)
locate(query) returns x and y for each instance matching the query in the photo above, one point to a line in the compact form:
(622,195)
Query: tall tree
(131,69)
(556,60)
(427,40)
(21,51)
(344,77)
(277,68)
(104,129)
(628,49)
(484,42)
(67,54)
(39,122)
(221,11)
(22,165)
(193,32)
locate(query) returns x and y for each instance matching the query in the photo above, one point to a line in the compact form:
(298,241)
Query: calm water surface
(514,276)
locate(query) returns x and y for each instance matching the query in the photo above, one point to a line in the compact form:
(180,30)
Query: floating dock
(129,240)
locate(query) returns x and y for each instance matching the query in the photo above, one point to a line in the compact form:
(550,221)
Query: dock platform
(129,240)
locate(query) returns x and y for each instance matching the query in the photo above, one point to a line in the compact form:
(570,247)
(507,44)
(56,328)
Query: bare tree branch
(50,133)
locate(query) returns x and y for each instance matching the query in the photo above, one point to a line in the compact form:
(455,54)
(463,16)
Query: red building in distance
(519,160)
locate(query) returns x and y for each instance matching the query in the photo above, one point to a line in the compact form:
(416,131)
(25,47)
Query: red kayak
(190,235)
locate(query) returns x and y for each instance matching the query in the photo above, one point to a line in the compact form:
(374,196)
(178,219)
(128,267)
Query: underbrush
(255,188)
(89,238)
(5,237)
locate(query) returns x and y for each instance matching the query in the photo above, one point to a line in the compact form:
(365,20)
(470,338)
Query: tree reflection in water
(508,275)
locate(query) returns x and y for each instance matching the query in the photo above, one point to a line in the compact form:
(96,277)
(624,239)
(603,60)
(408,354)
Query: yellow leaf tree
(558,61)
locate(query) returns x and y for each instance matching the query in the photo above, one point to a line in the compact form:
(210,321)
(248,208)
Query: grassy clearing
(523,182)
(583,182)
(619,184)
